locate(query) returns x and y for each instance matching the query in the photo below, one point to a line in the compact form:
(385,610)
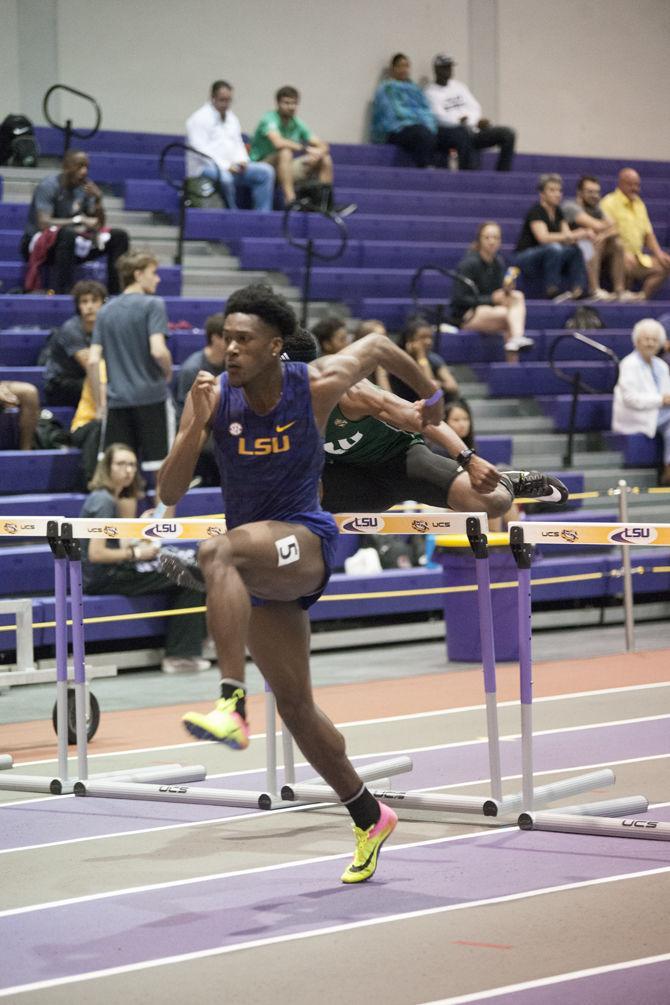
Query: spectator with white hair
(642,393)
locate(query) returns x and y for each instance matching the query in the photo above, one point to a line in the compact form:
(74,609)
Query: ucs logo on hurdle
(165,529)
(634,535)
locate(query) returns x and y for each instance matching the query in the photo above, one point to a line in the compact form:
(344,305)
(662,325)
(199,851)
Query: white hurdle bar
(523,536)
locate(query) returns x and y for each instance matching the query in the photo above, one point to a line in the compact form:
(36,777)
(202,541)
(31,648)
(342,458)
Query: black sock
(228,688)
(364,808)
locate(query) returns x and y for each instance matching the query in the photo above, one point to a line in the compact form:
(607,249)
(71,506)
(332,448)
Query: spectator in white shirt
(454,104)
(215,130)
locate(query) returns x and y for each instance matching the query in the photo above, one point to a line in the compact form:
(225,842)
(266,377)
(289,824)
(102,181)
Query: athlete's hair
(88,288)
(325,329)
(102,476)
(469,438)
(300,347)
(214,326)
(287,92)
(261,300)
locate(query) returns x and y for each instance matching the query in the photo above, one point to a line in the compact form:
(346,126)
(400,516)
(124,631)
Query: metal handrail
(448,273)
(307,245)
(179,184)
(68,128)
(578,385)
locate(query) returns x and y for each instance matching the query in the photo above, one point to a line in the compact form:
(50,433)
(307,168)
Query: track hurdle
(523,538)
(67,534)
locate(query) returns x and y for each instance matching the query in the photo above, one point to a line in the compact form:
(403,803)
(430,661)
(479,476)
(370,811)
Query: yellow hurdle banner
(202,529)
(556,532)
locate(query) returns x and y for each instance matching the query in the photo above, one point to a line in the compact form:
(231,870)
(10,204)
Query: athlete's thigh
(429,476)
(277,560)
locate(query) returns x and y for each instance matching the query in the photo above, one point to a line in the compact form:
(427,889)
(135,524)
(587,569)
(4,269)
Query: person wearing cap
(401,115)
(453,104)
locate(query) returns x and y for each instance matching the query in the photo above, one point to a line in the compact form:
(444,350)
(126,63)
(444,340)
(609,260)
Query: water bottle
(510,277)
(452,160)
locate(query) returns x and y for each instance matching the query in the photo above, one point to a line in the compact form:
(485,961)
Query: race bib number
(287,550)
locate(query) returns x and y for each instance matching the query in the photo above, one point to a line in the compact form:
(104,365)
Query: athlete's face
(252,346)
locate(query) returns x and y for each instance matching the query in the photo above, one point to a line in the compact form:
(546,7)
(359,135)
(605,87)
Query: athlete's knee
(497,503)
(214,556)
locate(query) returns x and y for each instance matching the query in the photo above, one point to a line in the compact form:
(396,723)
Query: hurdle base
(412,799)
(627,827)
(6,761)
(545,794)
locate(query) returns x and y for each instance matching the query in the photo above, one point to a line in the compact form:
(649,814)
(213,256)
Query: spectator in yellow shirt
(625,207)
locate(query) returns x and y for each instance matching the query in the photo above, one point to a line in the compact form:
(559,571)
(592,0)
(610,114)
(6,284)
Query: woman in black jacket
(489,303)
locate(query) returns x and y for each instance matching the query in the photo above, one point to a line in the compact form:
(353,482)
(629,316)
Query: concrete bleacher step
(513,424)
(530,444)
(501,407)
(552,459)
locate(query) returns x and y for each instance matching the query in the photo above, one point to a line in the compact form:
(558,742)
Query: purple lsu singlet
(270,464)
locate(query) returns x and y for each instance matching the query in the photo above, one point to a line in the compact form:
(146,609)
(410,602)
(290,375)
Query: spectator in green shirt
(289,145)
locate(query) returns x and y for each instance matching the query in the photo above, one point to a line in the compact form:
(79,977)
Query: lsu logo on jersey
(262,446)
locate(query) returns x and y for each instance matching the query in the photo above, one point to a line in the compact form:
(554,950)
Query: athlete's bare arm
(365,398)
(177,469)
(336,373)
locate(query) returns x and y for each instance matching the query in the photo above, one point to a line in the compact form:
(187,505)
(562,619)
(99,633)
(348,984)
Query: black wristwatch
(465,457)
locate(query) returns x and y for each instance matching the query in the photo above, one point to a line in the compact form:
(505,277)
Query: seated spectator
(642,394)
(25,397)
(492,304)
(113,566)
(130,333)
(416,339)
(380,377)
(605,248)
(625,207)
(547,249)
(454,104)
(66,352)
(401,115)
(331,334)
(215,130)
(292,148)
(212,359)
(66,224)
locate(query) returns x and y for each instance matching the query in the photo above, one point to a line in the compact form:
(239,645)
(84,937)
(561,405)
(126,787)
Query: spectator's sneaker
(536,486)
(223,724)
(184,664)
(519,342)
(368,846)
(182,568)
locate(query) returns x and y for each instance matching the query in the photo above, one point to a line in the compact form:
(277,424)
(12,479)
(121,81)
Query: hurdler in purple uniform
(268,420)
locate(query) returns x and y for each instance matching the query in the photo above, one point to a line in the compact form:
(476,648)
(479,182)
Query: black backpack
(18,146)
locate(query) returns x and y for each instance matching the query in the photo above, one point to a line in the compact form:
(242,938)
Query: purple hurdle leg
(60,592)
(79,661)
(479,545)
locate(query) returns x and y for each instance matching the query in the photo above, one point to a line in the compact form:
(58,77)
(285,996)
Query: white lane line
(543,982)
(292,809)
(367,722)
(335,929)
